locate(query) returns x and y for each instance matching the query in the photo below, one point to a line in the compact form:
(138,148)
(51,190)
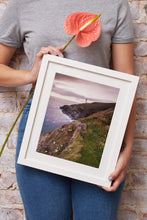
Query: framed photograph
(77,119)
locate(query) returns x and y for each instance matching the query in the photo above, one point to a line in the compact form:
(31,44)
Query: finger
(115,184)
(112,188)
(42,52)
(59,53)
(118,169)
(48,50)
(56,51)
(60,48)
(45,50)
(53,51)
(105,188)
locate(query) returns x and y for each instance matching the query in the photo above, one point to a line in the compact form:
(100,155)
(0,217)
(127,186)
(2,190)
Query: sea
(54,117)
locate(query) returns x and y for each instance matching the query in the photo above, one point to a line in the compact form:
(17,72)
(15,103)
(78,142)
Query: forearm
(123,61)
(10,77)
(129,134)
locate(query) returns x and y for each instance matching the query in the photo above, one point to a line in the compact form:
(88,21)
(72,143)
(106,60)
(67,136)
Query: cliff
(81,141)
(83,110)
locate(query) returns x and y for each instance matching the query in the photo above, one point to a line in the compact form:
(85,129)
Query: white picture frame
(126,84)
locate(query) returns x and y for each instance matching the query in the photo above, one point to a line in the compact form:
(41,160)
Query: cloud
(67,87)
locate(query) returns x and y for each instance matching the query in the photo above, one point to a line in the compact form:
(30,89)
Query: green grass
(87,145)
(93,142)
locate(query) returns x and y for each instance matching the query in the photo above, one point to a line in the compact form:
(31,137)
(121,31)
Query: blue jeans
(47,196)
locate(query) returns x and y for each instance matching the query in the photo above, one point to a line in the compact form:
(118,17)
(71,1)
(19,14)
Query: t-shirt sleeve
(9,26)
(124,27)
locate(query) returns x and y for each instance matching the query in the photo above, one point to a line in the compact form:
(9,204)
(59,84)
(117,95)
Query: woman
(35,25)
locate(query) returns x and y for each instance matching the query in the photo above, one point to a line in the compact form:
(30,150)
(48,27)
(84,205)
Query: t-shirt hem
(119,41)
(11,44)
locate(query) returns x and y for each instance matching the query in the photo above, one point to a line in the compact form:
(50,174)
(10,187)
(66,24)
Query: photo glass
(77,120)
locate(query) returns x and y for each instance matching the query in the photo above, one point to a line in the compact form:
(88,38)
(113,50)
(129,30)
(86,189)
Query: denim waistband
(31,90)
(30,100)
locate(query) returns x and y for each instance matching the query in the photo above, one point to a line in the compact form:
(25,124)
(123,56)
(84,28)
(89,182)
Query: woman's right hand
(10,77)
(33,74)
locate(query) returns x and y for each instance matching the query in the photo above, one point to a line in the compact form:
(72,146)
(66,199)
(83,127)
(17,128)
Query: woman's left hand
(120,171)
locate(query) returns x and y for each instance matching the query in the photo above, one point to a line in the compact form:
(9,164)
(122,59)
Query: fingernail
(46,51)
(110,178)
(61,55)
(55,53)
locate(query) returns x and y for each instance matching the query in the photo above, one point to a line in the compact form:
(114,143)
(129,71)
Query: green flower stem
(15,122)
(68,43)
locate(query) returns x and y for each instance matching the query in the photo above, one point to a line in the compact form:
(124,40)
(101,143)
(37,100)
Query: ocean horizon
(54,117)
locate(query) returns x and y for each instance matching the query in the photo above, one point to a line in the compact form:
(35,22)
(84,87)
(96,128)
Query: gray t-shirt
(37,23)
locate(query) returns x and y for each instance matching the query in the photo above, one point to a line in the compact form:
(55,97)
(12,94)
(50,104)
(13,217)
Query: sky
(78,90)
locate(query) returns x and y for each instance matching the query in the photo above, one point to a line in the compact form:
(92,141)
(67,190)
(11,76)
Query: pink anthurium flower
(82,24)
